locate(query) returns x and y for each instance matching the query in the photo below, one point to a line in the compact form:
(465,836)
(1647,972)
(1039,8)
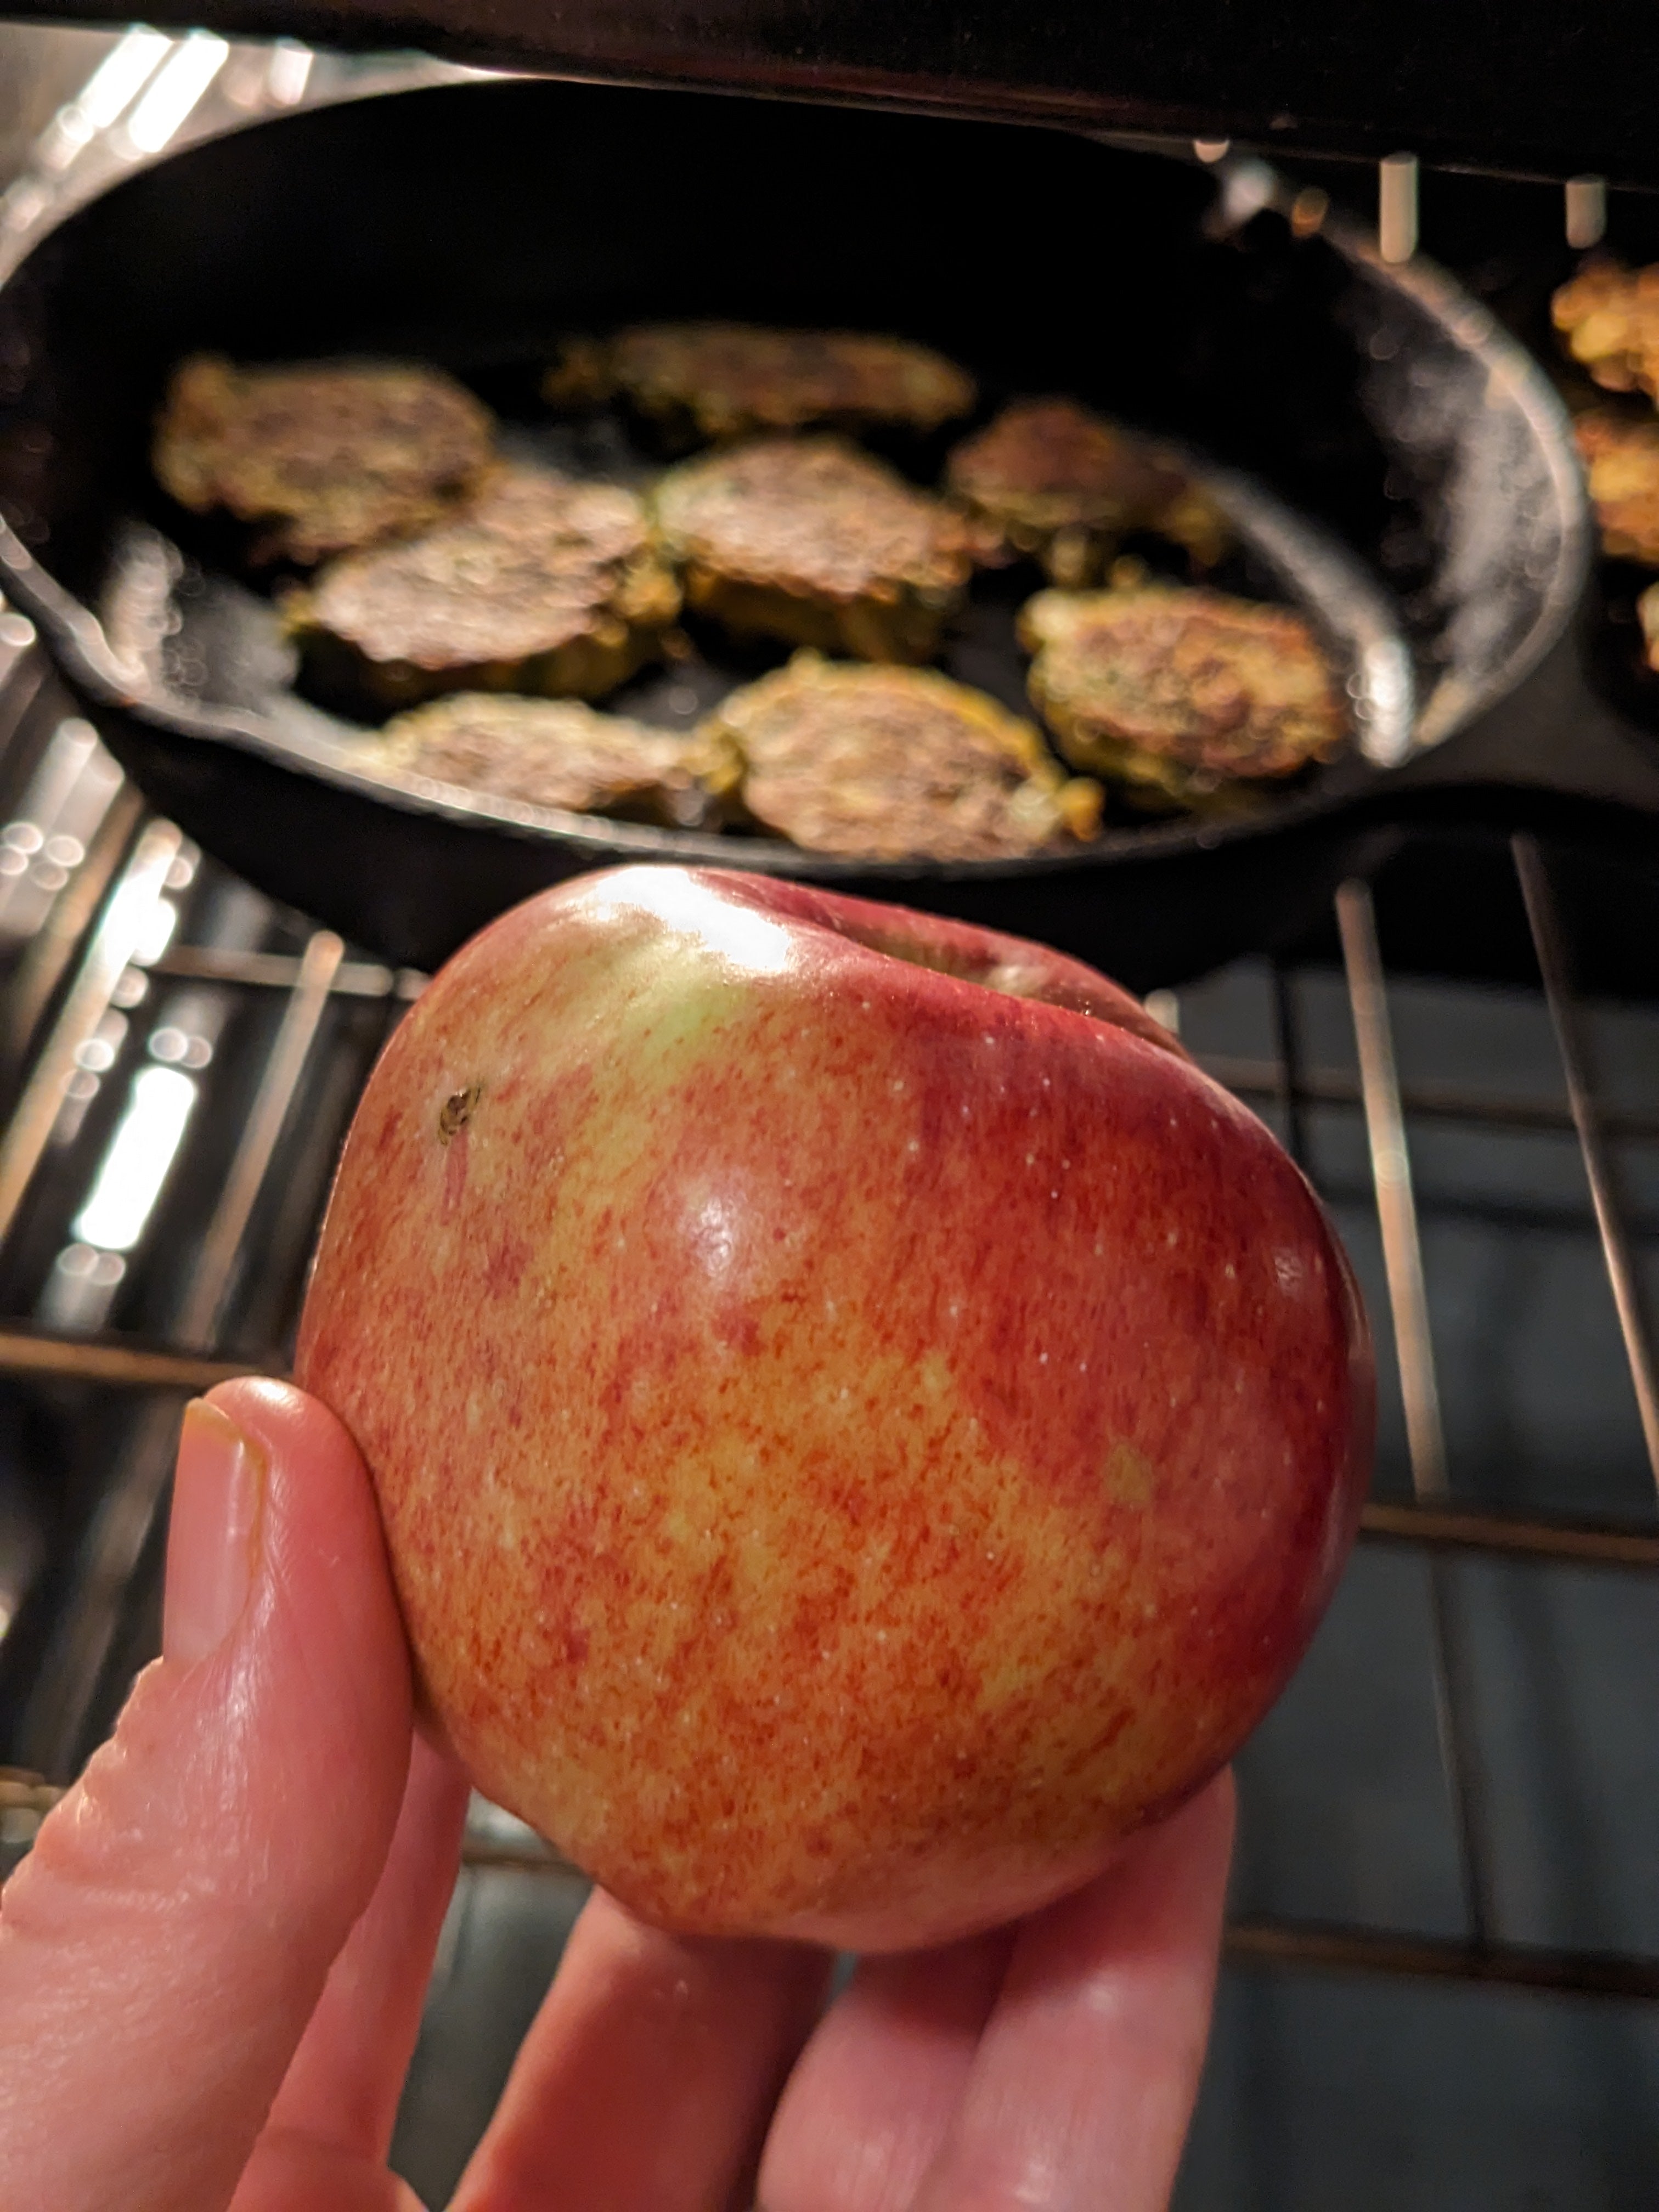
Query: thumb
(166,1942)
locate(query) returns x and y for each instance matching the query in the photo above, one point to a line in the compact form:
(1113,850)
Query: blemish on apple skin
(457,1111)
(1129,1477)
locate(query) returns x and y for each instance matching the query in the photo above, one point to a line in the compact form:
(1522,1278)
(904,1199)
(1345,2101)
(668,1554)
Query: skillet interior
(468,225)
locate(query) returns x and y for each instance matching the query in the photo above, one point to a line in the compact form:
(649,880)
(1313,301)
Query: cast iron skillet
(1414,454)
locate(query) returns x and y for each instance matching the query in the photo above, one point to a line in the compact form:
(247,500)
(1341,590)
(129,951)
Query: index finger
(648,2078)
(345,2080)
(1085,2077)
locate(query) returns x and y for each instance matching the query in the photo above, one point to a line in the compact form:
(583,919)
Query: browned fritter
(541,584)
(324,457)
(890,763)
(809,540)
(1609,317)
(1621,460)
(1052,479)
(550,753)
(725,380)
(1647,612)
(1180,693)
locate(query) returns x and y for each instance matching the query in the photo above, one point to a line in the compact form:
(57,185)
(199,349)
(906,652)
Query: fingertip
(286,1420)
(1221,1799)
(345,2084)
(328,1589)
(1164,1891)
(1202,1823)
(1195,1845)
(1091,2062)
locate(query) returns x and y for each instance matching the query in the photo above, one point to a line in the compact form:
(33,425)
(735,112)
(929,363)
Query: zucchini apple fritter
(1052,479)
(1647,613)
(322,457)
(1621,460)
(1179,693)
(893,763)
(541,584)
(551,752)
(1609,317)
(809,540)
(713,380)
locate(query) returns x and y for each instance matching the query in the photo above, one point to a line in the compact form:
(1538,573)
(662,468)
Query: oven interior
(1443,1977)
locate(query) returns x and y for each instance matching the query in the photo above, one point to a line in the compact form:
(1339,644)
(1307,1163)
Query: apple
(862,1422)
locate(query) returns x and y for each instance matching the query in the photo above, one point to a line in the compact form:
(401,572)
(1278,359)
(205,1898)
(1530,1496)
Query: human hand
(213,1963)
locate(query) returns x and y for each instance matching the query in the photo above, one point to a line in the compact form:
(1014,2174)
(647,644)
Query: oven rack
(87,964)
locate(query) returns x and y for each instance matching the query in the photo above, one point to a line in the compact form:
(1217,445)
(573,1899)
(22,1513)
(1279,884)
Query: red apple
(862,1422)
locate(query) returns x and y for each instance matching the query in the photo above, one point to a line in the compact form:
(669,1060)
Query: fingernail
(213,1539)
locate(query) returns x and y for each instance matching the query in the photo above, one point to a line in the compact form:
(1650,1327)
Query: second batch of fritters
(483,601)
(1609,320)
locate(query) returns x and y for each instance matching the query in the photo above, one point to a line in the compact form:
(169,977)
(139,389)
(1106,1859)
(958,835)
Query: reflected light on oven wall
(142,1149)
(1164,1007)
(81,1288)
(120,77)
(178,87)
(23,1545)
(155,933)
(58,816)
(288,74)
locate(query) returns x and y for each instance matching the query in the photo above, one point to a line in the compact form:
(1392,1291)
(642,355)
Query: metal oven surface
(1443,1956)
(1560,89)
